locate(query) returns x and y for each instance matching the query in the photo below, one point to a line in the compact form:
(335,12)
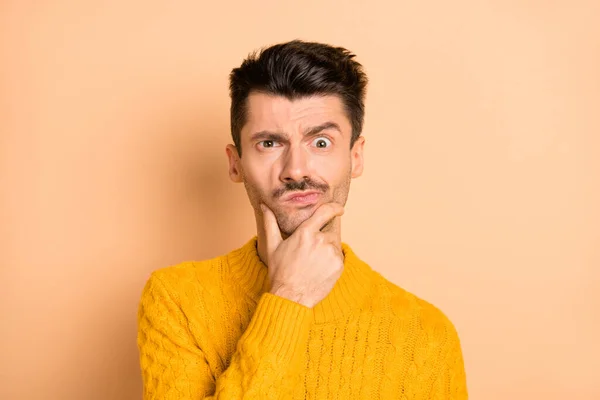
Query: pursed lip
(293,195)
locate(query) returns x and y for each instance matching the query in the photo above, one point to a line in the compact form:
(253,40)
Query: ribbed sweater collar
(349,292)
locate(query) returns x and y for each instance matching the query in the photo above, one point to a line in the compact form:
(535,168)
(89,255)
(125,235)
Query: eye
(266,144)
(322,142)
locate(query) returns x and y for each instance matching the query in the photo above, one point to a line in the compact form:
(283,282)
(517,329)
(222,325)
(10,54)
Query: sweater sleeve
(265,365)
(451,379)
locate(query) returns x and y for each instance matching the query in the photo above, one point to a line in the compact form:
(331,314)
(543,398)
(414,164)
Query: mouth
(302,198)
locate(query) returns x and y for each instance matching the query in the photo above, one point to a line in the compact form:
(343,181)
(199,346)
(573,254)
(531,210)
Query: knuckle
(320,239)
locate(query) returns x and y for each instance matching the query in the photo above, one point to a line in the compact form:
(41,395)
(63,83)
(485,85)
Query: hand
(305,266)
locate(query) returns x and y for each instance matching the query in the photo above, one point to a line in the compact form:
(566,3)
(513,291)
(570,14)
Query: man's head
(297,112)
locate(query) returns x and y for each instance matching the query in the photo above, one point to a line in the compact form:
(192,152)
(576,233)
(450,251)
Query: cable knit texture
(211,330)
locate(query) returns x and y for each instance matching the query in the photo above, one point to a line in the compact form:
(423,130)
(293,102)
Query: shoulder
(423,334)
(422,315)
(191,270)
(188,279)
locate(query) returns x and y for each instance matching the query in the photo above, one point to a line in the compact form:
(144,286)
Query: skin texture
(300,243)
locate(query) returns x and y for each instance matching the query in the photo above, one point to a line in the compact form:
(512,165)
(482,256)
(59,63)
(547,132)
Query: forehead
(277,113)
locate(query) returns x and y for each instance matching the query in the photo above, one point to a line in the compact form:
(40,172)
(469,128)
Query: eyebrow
(313,131)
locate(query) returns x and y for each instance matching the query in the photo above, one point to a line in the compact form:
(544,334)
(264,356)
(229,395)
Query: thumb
(272,233)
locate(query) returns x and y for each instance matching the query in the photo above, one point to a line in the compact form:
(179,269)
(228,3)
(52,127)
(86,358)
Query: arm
(451,382)
(265,365)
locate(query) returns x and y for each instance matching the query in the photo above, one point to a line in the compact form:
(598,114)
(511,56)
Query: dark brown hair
(296,69)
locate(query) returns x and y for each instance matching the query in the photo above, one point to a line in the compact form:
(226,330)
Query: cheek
(258,177)
(334,171)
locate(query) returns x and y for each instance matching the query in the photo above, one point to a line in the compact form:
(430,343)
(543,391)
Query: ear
(356,153)
(235,167)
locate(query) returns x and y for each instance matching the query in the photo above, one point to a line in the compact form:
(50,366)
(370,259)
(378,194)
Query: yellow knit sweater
(210,330)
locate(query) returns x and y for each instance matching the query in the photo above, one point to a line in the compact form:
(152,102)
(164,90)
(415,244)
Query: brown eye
(267,143)
(322,143)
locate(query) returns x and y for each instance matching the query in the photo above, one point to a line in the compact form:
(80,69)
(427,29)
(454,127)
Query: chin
(290,221)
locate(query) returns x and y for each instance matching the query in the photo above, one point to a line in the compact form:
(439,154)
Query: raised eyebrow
(315,130)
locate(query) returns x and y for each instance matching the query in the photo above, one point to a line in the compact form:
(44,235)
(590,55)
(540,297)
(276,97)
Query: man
(294,313)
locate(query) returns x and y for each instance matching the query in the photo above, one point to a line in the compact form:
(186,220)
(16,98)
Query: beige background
(481,191)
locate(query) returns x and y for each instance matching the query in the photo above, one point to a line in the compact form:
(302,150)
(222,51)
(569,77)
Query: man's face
(293,148)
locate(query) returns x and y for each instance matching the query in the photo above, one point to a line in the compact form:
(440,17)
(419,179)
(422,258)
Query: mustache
(300,186)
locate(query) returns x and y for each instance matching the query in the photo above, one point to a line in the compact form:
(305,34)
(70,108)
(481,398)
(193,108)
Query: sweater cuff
(279,328)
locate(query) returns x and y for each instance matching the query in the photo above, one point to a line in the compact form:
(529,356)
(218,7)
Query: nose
(296,165)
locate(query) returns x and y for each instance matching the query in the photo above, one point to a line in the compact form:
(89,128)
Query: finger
(322,216)
(331,238)
(328,225)
(272,232)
